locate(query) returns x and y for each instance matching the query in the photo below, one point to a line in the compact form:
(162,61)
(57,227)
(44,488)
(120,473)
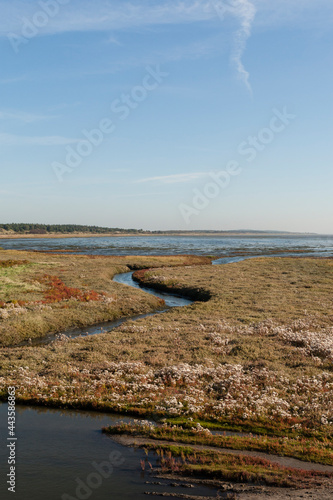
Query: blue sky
(129,114)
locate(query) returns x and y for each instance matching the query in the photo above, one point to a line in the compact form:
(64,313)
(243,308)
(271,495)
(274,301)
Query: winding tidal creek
(63,455)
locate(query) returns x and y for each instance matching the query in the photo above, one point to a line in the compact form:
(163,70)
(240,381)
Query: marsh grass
(311,450)
(42,294)
(281,289)
(186,461)
(234,361)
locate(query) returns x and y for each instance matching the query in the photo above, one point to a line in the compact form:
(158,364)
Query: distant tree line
(63,228)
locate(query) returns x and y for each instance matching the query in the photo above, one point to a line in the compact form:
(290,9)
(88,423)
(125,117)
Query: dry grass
(281,289)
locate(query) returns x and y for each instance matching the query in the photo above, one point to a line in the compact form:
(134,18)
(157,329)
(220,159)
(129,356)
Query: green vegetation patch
(12,283)
(310,450)
(13,263)
(186,461)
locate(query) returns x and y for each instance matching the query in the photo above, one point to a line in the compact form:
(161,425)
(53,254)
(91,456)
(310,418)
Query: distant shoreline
(166,234)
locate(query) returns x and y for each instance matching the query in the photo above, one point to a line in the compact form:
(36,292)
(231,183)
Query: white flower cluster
(314,344)
(216,391)
(144,424)
(132,328)
(11,309)
(217,340)
(201,430)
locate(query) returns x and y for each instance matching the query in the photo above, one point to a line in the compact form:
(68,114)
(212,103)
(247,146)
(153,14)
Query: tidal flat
(253,355)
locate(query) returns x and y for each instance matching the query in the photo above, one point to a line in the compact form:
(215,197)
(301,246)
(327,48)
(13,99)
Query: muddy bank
(195,294)
(231,490)
(127,440)
(248,492)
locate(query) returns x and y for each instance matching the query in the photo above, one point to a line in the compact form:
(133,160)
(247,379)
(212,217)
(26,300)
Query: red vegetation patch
(58,291)
(139,275)
(235,468)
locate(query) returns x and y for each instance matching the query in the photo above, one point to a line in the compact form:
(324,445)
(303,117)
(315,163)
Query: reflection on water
(58,451)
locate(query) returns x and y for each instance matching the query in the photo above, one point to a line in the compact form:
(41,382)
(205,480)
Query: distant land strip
(24,230)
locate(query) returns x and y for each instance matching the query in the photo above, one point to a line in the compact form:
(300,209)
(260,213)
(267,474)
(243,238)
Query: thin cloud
(113,41)
(106,15)
(20,140)
(191,51)
(175,178)
(23,117)
(115,15)
(119,170)
(15,79)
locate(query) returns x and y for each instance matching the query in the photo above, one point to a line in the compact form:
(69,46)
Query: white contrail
(245,11)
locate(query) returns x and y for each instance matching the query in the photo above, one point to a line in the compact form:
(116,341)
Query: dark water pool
(63,455)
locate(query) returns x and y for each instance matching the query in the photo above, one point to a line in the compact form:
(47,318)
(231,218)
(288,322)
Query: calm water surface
(57,450)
